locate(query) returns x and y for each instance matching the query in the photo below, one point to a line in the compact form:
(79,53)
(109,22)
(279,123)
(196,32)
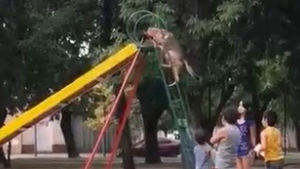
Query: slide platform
(67,94)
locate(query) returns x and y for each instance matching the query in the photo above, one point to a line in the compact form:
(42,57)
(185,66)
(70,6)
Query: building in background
(46,137)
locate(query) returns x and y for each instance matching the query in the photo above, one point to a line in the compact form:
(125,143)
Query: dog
(170,51)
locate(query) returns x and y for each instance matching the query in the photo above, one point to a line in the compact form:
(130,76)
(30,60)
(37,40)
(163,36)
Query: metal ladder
(180,111)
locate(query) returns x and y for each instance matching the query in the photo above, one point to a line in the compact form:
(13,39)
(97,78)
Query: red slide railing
(129,101)
(112,110)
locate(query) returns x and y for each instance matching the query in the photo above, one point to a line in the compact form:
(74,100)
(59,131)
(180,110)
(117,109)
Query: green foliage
(48,37)
(101,99)
(232,39)
(273,72)
(253,43)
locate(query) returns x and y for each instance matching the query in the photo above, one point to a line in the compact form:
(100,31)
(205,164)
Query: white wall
(58,137)
(44,136)
(48,133)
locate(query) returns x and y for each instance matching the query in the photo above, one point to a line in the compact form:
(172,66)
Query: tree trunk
(257,114)
(9,153)
(107,13)
(195,101)
(253,86)
(153,101)
(297,134)
(3,159)
(6,163)
(127,155)
(3,115)
(258,110)
(165,133)
(226,93)
(66,127)
(152,154)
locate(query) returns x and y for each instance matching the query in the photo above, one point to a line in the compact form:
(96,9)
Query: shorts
(277,164)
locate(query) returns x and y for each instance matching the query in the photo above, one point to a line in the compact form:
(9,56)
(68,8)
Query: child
(227,138)
(248,139)
(271,142)
(202,151)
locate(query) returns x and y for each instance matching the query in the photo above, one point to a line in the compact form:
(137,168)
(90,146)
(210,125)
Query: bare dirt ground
(61,162)
(39,163)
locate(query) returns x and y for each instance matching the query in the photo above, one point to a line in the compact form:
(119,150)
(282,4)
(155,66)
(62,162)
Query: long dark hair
(249,111)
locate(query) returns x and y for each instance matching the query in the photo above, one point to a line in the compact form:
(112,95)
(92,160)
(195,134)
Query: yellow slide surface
(49,105)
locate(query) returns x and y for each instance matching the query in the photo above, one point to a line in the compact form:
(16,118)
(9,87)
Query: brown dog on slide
(170,51)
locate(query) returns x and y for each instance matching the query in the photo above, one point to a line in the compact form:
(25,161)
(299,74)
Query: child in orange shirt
(271,142)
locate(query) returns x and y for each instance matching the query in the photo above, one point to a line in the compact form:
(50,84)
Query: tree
(242,35)
(234,44)
(49,34)
(153,101)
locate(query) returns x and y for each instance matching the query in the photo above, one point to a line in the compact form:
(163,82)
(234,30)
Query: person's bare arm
(263,140)
(253,135)
(220,134)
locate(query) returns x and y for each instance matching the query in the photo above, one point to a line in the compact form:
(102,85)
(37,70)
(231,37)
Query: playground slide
(66,94)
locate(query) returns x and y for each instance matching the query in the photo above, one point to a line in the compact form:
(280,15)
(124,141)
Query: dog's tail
(190,70)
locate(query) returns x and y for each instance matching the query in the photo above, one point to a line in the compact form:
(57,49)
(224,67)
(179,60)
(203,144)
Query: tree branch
(225,96)
(265,104)
(226,93)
